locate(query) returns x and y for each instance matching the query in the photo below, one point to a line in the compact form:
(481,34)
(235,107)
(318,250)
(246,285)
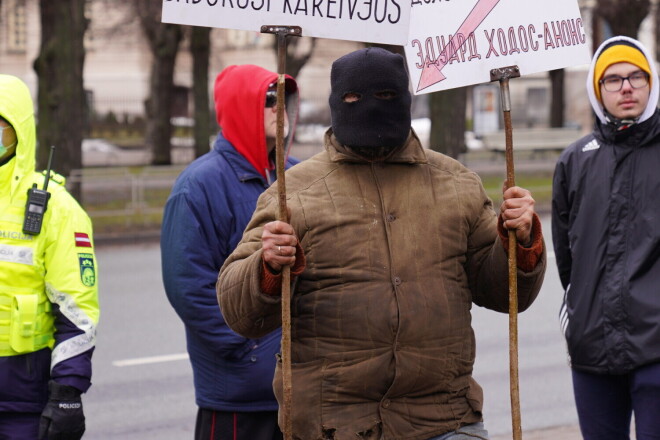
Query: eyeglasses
(614,83)
(271,98)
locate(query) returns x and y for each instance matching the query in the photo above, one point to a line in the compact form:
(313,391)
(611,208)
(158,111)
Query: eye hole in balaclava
(351,97)
(385,95)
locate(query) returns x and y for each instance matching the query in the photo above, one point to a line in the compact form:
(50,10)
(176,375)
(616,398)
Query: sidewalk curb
(568,432)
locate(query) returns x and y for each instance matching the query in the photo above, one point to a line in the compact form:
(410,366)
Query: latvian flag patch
(82,240)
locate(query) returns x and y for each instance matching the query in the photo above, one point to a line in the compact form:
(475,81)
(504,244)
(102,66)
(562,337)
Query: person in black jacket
(605,218)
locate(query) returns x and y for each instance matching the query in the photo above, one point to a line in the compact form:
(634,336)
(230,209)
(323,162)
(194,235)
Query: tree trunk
(61,103)
(164,42)
(200,46)
(596,31)
(557,99)
(624,17)
(296,56)
(447,110)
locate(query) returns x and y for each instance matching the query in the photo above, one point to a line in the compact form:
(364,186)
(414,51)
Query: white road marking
(151,360)
(184,356)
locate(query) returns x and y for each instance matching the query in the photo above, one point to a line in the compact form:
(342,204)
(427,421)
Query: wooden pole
(282,32)
(503,75)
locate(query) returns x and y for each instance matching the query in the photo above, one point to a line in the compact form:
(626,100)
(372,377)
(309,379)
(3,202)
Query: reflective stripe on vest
(78,344)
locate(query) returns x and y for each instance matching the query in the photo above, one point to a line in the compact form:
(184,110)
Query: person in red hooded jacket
(210,204)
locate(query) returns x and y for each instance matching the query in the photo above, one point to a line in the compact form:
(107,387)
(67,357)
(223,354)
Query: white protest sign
(454,43)
(378,21)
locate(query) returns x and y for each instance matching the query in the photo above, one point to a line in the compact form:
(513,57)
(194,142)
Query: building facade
(118,63)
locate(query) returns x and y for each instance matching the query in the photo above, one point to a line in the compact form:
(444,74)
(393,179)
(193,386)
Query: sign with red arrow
(454,43)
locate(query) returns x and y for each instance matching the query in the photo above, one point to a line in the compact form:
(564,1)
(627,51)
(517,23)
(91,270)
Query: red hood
(240,96)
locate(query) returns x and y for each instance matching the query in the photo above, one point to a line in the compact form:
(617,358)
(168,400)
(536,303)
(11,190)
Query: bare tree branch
(624,17)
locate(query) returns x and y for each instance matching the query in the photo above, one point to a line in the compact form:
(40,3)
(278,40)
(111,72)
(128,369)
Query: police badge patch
(87,272)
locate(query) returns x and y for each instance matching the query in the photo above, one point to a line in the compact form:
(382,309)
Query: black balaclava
(373,125)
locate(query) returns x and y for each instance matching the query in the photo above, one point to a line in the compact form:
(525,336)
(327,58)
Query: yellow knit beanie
(620,52)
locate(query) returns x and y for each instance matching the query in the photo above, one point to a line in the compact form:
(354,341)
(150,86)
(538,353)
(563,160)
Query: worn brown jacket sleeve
(487,261)
(246,309)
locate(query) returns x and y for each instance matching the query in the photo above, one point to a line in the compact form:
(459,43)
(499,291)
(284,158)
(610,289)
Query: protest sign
(454,43)
(376,21)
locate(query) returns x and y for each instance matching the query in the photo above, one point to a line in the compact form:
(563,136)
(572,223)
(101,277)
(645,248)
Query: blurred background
(127,100)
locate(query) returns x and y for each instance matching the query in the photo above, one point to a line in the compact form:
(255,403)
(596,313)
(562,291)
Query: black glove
(63,417)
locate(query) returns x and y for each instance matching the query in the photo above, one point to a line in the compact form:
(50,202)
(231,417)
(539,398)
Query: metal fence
(125,201)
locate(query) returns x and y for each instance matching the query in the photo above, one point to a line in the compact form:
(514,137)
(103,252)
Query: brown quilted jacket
(397,252)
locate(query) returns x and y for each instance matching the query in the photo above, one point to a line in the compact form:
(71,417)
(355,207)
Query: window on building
(16,26)
(538,106)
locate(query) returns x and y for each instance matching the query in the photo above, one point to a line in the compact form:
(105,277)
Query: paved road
(142,385)
(142,400)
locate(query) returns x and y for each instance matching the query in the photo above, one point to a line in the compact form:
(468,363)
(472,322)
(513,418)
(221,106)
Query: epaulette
(55,177)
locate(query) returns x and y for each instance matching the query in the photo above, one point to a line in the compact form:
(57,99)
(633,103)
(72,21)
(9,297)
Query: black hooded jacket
(606,234)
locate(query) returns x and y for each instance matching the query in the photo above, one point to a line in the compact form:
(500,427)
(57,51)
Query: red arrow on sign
(432,71)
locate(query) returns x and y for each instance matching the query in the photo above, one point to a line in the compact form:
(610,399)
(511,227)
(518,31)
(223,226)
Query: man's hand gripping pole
(503,75)
(282,32)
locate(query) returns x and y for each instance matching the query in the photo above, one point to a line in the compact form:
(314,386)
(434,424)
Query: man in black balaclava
(370,101)
(390,245)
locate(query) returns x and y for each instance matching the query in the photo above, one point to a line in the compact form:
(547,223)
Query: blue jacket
(211,202)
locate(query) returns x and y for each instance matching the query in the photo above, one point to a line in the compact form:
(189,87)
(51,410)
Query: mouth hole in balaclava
(351,97)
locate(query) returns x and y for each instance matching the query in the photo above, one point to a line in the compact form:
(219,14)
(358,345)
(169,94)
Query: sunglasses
(271,98)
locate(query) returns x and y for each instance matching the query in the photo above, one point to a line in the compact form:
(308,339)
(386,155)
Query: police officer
(48,288)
